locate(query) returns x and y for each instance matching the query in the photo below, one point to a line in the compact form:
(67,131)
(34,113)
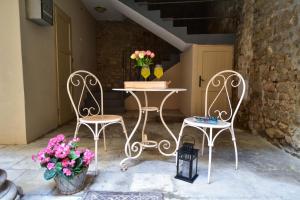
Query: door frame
(57,8)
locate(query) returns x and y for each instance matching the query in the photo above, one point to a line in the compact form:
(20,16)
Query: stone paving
(265,172)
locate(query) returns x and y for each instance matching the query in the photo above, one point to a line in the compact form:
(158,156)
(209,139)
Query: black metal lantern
(187,162)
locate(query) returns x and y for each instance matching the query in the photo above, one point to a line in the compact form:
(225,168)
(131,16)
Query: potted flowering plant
(143,59)
(65,162)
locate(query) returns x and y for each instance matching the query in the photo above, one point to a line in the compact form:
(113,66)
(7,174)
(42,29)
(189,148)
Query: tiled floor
(265,172)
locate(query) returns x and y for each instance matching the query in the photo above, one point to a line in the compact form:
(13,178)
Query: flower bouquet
(65,162)
(143,59)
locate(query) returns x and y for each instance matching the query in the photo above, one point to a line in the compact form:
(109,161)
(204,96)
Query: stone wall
(116,40)
(268,55)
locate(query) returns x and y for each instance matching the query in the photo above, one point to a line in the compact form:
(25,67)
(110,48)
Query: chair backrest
(224,81)
(87,83)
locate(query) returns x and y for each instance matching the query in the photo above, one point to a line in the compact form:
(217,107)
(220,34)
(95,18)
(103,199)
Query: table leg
(165,144)
(145,119)
(136,147)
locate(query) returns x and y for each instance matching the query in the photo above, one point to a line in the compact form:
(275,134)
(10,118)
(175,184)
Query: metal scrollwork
(224,80)
(85,81)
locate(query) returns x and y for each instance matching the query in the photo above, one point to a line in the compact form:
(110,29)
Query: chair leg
(209,163)
(76,130)
(210,145)
(179,138)
(104,140)
(203,142)
(235,147)
(96,138)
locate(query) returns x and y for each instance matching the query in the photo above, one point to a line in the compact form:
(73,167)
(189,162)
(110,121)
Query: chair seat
(193,122)
(100,119)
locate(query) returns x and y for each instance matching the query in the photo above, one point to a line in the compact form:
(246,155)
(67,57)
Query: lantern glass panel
(184,168)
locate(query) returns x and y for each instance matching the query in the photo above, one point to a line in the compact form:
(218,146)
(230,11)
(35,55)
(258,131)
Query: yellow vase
(158,71)
(145,72)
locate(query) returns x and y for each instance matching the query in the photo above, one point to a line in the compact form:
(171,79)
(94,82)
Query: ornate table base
(136,148)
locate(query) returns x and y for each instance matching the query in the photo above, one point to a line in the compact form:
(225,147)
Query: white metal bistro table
(137,147)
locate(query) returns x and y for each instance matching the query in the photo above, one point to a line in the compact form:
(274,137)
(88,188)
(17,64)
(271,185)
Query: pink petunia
(60,138)
(78,152)
(65,162)
(42,157)
(62,151)
(67,172)
(72,163)
(50,166)
(88,156)
(148,53)
(152,55)
(76,139)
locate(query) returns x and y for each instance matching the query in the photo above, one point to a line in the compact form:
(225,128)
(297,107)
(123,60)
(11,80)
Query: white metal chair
(92,116)
(222,80)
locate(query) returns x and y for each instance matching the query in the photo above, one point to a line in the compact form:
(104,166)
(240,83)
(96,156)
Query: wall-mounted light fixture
(100,9)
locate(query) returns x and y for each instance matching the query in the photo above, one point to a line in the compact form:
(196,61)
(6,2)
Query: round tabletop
(150,89)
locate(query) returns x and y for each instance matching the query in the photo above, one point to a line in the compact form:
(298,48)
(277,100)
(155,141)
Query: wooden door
(211,60)
(63,64)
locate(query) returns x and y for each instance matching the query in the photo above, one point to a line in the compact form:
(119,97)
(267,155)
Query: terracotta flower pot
(71,185)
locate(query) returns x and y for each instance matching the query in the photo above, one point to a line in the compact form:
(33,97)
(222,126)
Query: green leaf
(79,163)
(77,170)
(75,144)
(49,174)
(73,155)
(58,166)
(53,160)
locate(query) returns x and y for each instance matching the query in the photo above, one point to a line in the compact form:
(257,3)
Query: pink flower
(42,157)
(60,138)
(50,166)
(148,52)
(76,139)
(88,156)
(152,55)
(33,157)
(62,150)
(67,171)
(47,159)
(49,150)
(77,152)
(137,53)
(65,162)
(72,163)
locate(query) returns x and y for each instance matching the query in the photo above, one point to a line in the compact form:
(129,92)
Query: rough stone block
(274,133)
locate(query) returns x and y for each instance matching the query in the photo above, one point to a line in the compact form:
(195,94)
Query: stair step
(209,14)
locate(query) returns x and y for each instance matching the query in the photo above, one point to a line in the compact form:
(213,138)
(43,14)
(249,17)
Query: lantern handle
(186,136)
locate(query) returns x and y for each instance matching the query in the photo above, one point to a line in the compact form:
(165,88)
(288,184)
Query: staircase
(8,190)
(180,23)
(184,22)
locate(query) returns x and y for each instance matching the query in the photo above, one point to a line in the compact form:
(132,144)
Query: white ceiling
(110,13)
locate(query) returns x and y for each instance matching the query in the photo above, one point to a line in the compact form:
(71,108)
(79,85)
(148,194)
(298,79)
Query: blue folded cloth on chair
(207,120)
